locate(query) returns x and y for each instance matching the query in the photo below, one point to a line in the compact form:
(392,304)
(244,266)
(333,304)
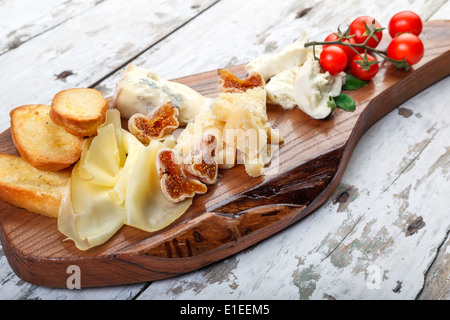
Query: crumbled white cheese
(313,89)
(294,78)
(290,56)
(306,87)
(280,88)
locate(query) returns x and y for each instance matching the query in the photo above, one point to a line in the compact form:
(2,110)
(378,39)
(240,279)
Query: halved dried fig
(203,163)
(229,82)
(162,121)
(175,184)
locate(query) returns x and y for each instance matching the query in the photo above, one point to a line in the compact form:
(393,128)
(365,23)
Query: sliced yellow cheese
(102,160)
(67,219)
(97,216)
(146,206)
(132,148)
(82,171)
(105,193)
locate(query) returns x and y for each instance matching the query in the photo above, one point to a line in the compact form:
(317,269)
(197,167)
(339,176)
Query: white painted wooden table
(388,240)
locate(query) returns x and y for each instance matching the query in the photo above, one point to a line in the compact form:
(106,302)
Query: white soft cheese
(313,89)
(141,91)
(280,88)
(290,56)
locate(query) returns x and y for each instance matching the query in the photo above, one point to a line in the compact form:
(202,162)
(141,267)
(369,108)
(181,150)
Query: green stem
(345,44)
(383,54)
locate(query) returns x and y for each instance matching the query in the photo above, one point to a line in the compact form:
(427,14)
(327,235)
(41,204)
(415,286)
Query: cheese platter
(237,211)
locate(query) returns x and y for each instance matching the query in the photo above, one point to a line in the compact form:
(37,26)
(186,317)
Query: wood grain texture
(232,215)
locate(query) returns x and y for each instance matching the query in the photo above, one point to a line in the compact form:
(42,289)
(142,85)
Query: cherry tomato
(348,51)
(359,72)
(333,59)
(358,29)
(406,46)
(405,21)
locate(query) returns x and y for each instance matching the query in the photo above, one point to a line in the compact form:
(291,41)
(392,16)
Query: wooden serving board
(238,211)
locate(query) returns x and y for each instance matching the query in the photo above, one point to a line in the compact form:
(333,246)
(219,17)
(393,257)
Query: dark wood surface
(238,211)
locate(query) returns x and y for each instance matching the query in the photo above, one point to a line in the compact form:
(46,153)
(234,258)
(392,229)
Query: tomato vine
(365,63)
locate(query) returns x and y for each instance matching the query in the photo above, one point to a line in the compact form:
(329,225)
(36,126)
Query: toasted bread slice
(45,145)
(80,110)
(26,187)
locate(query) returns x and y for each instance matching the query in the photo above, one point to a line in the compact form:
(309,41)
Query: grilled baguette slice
(79,110)
(26,187)
(45,145)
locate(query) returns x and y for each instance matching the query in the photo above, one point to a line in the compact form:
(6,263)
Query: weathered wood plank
(21,20)
(246,30)
(79,53)
(436,283)
(443,12)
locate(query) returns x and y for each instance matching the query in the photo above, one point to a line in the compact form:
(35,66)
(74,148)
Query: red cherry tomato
(333,59)
(348,51)
(405,21)
(359,72)
(358,29)
(406,46)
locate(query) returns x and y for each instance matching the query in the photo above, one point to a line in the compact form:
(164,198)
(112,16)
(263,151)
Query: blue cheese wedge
(142,91)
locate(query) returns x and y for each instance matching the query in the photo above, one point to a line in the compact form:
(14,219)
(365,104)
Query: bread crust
(44,204)
(29,188)
(34,145)
(83,125)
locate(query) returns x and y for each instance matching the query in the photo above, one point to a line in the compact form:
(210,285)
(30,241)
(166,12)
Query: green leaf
(344,102)
(400,64)
(365,63)
(353,83)
(372,30)
(345,34)
(331,104)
